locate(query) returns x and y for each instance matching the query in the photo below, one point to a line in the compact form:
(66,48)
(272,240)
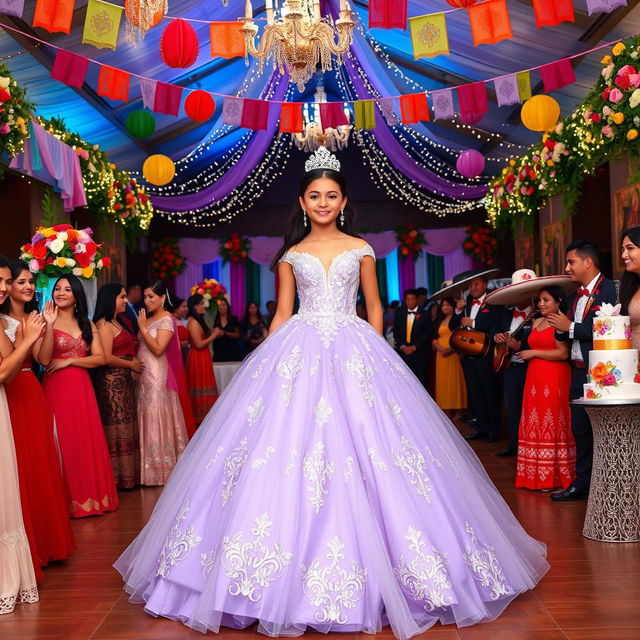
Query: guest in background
(70,347)
(271,311)
(412,331)
(226,347)
(423,296)
(388,320)
(163,433)
(630,282)
(180,311)
(134,304)
(450,387)
(200,375)
(546,448)
(253,328)
(44,496)
(115,385)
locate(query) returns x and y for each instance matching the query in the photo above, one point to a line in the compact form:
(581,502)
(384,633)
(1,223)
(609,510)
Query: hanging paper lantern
(134,13)
(140,124)
(199,105)
(470,118)
(540,113)
(461,4)
(158,169)
(470,163)
(179,44)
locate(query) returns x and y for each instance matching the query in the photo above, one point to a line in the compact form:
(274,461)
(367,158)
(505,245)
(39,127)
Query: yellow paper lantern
(540,113)
(158,169)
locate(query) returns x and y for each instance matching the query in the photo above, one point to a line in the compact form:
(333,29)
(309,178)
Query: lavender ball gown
(326,490)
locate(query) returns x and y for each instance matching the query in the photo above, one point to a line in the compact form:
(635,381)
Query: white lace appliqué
(289,369)
(233,466)
(426,576)
(333,588)
(411,461)
(394,409)
(255,411)
(260,462)
(322,411)
(358,368)
(376,461)
(178,544)
(318,470)
(252,565)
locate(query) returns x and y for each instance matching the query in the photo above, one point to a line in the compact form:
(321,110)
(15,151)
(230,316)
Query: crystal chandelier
(313,135)
(298,37)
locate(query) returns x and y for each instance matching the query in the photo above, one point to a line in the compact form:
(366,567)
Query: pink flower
(609,380)
(634,80)
(615,96)
(5,128)
(626,70)
(607,131)
(83,153)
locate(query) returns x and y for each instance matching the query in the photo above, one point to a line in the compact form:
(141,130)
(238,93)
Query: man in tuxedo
(412,332)
(583,266)
(482,382)
(134,304)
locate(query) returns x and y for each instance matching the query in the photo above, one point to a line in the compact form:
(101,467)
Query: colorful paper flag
(414,108)
(507,90)
(54,15)
(557,75)
(388,14)
(69,68)
(255,114)
(429,36)
(113,83)
(226,39)
(524,85)
(332,115)
(291,120)
(550,13)
(442,104)
(365,114)
(232,111)
(604,6)
(473,98)
(385,105)
(489,22)
(101,24)
(167,98)
(12,7)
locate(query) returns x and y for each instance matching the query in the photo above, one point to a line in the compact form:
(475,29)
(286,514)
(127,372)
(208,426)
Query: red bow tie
(519,314)
(583,292)
(476,301)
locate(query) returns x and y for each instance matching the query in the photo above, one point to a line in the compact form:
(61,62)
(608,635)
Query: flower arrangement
(235,248)
(411,241)
(605,374)
(15,113)
(480,243)
(166,259)
(592,395)
(131,205)
(211,290)
(60,250)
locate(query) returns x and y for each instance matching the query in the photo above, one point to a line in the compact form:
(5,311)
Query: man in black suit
(482,382)
(412,332)
(583,265)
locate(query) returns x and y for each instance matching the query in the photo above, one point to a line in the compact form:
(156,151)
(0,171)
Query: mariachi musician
(482,382)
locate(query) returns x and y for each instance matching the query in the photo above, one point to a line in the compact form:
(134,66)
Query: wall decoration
(626,214)
(553,249)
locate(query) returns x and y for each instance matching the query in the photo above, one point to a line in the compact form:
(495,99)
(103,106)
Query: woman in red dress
(75,347)
(180,310)
(546,448)
(200,375)
(44,497)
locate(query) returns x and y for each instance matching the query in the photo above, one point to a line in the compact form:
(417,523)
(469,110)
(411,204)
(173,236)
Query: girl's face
(199,307)
(121,302)
(5,283)
(223,307)
(181,310)
(630,255)
(447,309)
(152,301)
(63,294)
(253,309)
(23,288)
(323,201)
(546,303)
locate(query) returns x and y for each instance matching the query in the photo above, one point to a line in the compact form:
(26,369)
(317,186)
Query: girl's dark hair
(630,282)
(80,308)
(17,267)
(440,316)
(296,230)
(246,313)
(176,302)
(227,303)
(160,289)
(192,302)
(106,304)
(558,294)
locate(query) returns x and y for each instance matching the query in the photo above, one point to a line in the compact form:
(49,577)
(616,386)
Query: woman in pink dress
(76,347)
(163,434)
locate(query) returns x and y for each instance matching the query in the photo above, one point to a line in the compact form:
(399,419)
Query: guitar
(502,352)
(470,342)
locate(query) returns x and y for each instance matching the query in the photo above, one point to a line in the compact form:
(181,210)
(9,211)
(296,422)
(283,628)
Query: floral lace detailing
(426,576)
(10,326)
(333,588)
(211,462)
(348,471)
(9,601)
(289,369)
(377,461)
(292,462)
(255,411)
(252,565)
(486,569)
(322,411)
(412,462)
(233,466)
(327,326)
(318,470)
(178,544)
(260,462)
(207,560)
(394,409)
(357,367)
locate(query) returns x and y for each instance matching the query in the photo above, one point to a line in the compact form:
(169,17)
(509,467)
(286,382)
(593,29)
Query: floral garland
(166,259)
(235,249)
(480,243)
(15,114)
(605,126)
(411,241)
(211,290)
(61,250)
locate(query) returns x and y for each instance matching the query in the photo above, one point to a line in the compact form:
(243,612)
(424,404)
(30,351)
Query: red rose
(549,144)
(83,259)
(62,227)
(595,117)
(106,262)
(605,94)
(39,250)
(623,82)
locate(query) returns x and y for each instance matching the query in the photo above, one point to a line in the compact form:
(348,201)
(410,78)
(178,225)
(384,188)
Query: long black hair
(17,267)
(106,303)
(160,289)
(630,282)
(297,230)
(192,302)
(80,307)
(558,294)
(247,315)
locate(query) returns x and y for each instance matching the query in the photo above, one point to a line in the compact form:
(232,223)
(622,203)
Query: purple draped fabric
(238,273)
(407,272)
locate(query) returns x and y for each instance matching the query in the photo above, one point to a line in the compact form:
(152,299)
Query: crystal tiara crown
(322,159)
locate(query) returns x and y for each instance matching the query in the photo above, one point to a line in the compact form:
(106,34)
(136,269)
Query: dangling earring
(342,218)
(304,217)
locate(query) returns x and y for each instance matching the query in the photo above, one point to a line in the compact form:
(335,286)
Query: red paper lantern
(461,4)
(470,118)
(470,163)
(199,105)
(179,44)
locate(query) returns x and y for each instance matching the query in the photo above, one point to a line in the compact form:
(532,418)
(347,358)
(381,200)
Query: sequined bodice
(329,291)
(66,346)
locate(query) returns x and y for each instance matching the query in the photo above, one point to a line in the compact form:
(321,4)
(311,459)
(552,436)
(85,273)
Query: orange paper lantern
(540,113)
(133,13)
(199,105)
(158,169)
(179,45)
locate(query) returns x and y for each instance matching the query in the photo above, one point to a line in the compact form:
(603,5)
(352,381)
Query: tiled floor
(591,593)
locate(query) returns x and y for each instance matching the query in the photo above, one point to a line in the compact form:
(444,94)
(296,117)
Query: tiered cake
(613,363)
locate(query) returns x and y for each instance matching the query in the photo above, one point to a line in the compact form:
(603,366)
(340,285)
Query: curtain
(381,273)
(253,282)
(435,272)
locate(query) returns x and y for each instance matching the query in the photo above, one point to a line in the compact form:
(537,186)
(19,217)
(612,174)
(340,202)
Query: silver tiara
(322,159)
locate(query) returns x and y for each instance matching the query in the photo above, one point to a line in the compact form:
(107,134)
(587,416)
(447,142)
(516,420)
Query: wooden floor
(591,593)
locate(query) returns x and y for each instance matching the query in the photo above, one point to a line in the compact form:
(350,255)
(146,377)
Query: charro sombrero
(461,282)
(523,291)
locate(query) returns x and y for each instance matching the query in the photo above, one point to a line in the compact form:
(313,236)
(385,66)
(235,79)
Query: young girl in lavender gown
(325,489)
